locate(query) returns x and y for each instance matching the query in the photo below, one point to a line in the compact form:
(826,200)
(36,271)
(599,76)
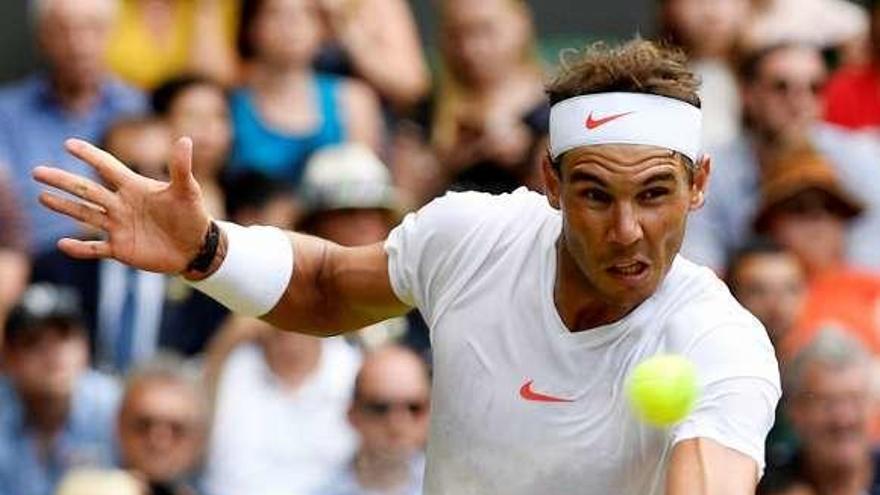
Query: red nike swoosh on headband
(594,123)
(527,393)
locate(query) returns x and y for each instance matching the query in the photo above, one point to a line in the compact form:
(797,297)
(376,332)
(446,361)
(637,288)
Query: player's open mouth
(630,270)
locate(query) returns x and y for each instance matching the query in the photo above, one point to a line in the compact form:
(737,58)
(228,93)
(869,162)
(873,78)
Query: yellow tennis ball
(662,389)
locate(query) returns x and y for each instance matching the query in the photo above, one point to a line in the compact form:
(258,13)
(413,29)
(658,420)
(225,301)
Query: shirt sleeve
(436,251)
(422,250)
(739,389)
(736,413)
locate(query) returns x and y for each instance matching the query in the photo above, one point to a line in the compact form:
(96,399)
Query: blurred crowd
(325,116)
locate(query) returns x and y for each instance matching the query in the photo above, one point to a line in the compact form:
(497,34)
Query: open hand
(150,225)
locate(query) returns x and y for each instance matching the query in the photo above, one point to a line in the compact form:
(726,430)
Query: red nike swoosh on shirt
(527,393)
(594,123)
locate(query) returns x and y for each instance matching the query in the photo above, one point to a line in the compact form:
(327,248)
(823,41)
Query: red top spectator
(852,98)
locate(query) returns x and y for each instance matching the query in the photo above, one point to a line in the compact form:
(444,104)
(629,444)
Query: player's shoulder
(707,325)
(704,311)
(474,203)
(456,213)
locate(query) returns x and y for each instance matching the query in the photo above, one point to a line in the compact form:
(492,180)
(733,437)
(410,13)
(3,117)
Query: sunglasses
(142,425)
(380,408)
(786,87)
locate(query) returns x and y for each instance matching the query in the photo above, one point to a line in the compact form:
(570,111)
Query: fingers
(85,250)
(110,169)
(84,212)
(180,166)
(74,184)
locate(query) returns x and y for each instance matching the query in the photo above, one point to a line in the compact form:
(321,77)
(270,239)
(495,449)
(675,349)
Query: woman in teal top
(286,111)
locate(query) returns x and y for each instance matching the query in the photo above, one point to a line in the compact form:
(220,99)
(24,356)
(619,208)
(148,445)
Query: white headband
(625,118)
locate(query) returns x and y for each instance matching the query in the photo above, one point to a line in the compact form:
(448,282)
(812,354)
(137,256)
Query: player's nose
(625,228)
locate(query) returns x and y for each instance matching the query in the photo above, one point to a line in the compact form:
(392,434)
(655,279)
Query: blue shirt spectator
(86,439)
(278,154)
(75,96)
(33,127)
(55,414)
(782,103)
(724,224)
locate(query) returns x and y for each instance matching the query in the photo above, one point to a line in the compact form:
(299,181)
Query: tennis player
(539,306)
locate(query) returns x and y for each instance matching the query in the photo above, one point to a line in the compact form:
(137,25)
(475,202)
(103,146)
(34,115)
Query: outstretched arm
(161,227)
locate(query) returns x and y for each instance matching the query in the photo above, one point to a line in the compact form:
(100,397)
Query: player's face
(624,211)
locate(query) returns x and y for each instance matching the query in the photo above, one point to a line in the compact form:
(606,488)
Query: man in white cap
(538,306)
(347,196)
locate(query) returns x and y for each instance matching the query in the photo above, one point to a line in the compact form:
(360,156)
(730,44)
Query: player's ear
(700,182)
(552,178)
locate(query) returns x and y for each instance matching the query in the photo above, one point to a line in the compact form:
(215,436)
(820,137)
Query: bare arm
(335,289)
(161,227)
(701,466)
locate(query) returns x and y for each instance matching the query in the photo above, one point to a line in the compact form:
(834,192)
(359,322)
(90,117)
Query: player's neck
(577,301)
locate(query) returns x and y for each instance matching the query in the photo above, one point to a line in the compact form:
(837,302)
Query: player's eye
(596,195)
(654,194)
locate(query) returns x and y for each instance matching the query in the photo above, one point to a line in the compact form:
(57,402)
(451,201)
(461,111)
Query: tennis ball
(662,389)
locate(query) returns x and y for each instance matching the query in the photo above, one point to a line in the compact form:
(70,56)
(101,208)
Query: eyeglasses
(787,86)
(380,408)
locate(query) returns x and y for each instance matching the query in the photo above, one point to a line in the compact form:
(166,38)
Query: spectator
(196,107)
(711,31)
(74,96)
(14,260)
(141,142)
(134,313)
(279,423)
(827,387)
(55,414)
(155,40)
(770,282)
(255,199)
(390,413)
(778,483)
(833,25)
(852,98)
(781,87)
(286,110)
(348,198)
(376,40)
(491,110)
(805,209)
(162,426)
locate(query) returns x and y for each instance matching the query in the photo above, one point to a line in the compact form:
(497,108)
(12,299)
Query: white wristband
(255,272)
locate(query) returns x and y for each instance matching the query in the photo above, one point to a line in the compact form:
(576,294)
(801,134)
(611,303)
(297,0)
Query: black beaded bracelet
(202,262)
